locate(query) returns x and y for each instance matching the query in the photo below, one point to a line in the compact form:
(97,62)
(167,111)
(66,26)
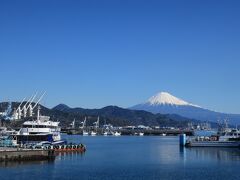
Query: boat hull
(234,144)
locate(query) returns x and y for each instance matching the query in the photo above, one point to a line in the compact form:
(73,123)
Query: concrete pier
(17,154)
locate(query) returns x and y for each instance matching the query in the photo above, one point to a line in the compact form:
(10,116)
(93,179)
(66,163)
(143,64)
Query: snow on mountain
(164,98)
(166,103)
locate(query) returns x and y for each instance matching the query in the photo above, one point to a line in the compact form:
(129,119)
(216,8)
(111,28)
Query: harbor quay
(20,154)
(34,153)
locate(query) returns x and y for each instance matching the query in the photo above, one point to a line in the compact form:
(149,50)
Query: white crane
(18,113)
(84,123)
(39,100)
(85,132)
(97,123)
(32,108)
(30,105)
(27,106)
(73,124)
(24,109)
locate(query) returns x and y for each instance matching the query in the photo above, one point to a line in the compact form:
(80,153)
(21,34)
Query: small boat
(93,133)
(85,133)
(141,134)
(105,133)
(107,129)
(108,133)
(164,134)
(117,134)
(73,124)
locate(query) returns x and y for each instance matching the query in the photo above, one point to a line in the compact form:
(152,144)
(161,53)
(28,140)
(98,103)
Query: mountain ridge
(133,117)
(183,108)
(114,115)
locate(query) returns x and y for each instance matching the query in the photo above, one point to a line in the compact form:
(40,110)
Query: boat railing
(202,138)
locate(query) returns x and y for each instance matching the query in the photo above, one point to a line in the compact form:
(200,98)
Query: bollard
(182,139)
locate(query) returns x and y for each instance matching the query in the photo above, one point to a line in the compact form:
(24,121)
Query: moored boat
(117,134)
(93,133)
(85,133)
(230,138)
(39,130)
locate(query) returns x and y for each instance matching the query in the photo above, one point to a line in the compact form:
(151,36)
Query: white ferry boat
(41,129)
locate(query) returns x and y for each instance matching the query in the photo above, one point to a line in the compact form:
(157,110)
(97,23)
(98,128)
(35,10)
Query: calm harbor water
(131,157)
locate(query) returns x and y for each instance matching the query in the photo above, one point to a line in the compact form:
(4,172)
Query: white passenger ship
(41,129)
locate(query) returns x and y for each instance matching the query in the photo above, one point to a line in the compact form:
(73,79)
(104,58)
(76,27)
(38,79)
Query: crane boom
(32,100)
(39,100)
(28,101)
(21,103)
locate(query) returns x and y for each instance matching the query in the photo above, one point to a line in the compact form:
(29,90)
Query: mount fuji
(165,103)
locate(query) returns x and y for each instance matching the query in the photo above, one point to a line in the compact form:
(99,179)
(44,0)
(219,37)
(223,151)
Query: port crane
(27,107)
(32,108)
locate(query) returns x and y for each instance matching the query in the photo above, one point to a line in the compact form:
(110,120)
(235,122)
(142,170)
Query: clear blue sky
(95,53)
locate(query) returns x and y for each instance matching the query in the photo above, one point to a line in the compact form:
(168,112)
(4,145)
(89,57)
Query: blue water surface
(131,157)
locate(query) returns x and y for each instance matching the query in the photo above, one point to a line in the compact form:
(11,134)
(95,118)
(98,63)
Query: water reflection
(182,152)
(21,163)
(69,155)
(211,153)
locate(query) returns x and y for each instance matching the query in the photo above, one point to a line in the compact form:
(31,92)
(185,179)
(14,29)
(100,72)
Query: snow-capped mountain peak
(164,98)
(165,103)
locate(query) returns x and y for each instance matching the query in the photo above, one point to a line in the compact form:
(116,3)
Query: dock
(20,154)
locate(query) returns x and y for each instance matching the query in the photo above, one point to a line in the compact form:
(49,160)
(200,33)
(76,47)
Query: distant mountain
(111,114)
(166,103)
(61,107)
(120,116)
(164,98)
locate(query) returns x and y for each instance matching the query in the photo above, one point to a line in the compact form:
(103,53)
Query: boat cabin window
(27,126)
